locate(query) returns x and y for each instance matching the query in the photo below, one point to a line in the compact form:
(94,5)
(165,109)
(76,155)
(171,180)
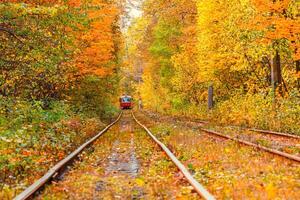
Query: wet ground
(124,160)
(123,164)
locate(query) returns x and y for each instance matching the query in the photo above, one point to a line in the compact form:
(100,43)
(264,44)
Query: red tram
(126,102)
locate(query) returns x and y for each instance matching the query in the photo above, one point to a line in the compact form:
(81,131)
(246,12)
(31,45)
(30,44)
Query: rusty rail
(196,185)
(289,135)
(275,133)
(35,187)
(273,151)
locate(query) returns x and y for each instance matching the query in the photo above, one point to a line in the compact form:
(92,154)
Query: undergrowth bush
(251,110)
(260,111)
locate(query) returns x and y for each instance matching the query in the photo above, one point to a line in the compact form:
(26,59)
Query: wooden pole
(210,97)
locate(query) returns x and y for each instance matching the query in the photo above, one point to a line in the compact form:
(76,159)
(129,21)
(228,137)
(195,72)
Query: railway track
(203,123)
(260,147)
(270,134)
(224,161)
(54,171)
(288,135)
(197,186)
(269,141)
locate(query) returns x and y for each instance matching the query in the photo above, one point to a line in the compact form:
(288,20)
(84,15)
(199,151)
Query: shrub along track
(123,164)
(228,169)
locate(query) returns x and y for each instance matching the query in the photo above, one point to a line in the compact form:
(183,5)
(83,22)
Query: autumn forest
(217,82)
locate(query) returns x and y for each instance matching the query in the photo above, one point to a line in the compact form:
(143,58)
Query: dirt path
(123,164)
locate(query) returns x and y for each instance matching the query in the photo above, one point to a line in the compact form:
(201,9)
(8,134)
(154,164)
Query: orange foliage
(98,41)
(270,5)
(273,19)
(26,153)
(74,3)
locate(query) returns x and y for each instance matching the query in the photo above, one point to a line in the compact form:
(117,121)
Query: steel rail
(196,185)
(273,151)
(36,186)
(288,135)
(274,133)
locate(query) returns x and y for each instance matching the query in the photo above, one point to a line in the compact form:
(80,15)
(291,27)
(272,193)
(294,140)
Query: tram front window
(126,100)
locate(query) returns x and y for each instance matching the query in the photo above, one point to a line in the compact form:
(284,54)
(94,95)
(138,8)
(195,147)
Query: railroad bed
(122,163)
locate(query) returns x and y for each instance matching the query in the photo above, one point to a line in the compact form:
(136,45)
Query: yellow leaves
(271,191)
(173,47)
(228,44)
(140,182)
(31,9)
(186,190)
(227,150)
(218,36)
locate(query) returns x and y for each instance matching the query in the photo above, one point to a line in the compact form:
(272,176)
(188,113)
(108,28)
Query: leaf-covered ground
(227,169)
(123,164)
(33,139)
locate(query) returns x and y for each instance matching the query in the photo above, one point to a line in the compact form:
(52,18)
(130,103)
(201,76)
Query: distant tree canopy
(185,46)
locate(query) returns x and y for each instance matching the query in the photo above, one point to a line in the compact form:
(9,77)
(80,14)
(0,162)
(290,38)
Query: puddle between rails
(123,157)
